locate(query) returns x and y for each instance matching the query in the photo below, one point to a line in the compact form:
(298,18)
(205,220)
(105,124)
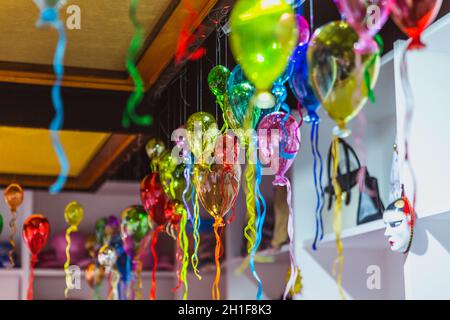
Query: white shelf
(55,273)
(11,272)
(367,235)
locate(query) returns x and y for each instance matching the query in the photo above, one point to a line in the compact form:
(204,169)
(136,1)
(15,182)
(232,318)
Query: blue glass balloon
(301,86)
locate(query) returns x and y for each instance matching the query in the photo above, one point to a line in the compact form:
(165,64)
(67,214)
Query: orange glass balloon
(35,232)
(217,187)
(13,196)
(94,275)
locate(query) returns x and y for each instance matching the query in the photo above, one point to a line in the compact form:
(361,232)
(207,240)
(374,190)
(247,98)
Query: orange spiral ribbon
(218,223)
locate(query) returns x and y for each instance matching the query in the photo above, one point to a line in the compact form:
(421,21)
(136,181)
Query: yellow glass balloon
(339,85)
(73,214)
(263,36)
(202,131)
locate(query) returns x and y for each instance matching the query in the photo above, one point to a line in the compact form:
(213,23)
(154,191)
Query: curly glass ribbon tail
(58,120)
(261,210)
(317,172)
(337,220)
(136,97)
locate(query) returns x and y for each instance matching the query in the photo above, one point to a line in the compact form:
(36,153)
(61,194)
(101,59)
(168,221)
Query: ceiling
(95,55)
(27,151)
(27,156)
(101,43)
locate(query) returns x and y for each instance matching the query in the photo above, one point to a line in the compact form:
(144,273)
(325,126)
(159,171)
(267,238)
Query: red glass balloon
(35,232)
(414,16)
(171,214)
(153,198)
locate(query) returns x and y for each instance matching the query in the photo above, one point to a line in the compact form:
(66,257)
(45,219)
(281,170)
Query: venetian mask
(399,219)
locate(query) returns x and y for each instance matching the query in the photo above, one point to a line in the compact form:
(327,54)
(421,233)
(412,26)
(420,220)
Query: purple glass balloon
(113,222)
(278,142)
(303,30)
(367,18)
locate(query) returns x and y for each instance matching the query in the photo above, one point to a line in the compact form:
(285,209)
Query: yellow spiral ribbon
(67,263)
(250,228)
(13,227)
(184,245)
(337,217)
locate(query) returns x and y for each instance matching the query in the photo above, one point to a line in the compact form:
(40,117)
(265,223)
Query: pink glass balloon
(303,30)
(278,142)
(367,17)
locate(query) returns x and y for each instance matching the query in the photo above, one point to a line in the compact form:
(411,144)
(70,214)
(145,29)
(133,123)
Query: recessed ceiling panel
(26,151)
(101,43)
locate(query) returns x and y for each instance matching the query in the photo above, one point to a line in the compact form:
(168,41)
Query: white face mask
(398,226)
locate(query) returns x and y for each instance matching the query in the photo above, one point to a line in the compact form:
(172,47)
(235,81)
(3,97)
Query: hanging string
(13,228)
(67,263)
(196,234)
(50,16)
(158,230)
(136,45)
(311,15)
(337,221)
(261,209)
(33,261)
(409,109)
(218,222)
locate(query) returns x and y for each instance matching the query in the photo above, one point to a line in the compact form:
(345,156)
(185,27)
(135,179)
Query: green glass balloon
(172,177)
(239,98)
(100,225)
(263,37)
(134,222)
(217,81)
(202,133)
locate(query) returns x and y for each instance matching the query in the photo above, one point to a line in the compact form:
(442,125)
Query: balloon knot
(416,44)
(280,181)
(219,222)
(49,15)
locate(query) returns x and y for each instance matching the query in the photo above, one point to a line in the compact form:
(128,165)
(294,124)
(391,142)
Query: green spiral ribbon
(136,45)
